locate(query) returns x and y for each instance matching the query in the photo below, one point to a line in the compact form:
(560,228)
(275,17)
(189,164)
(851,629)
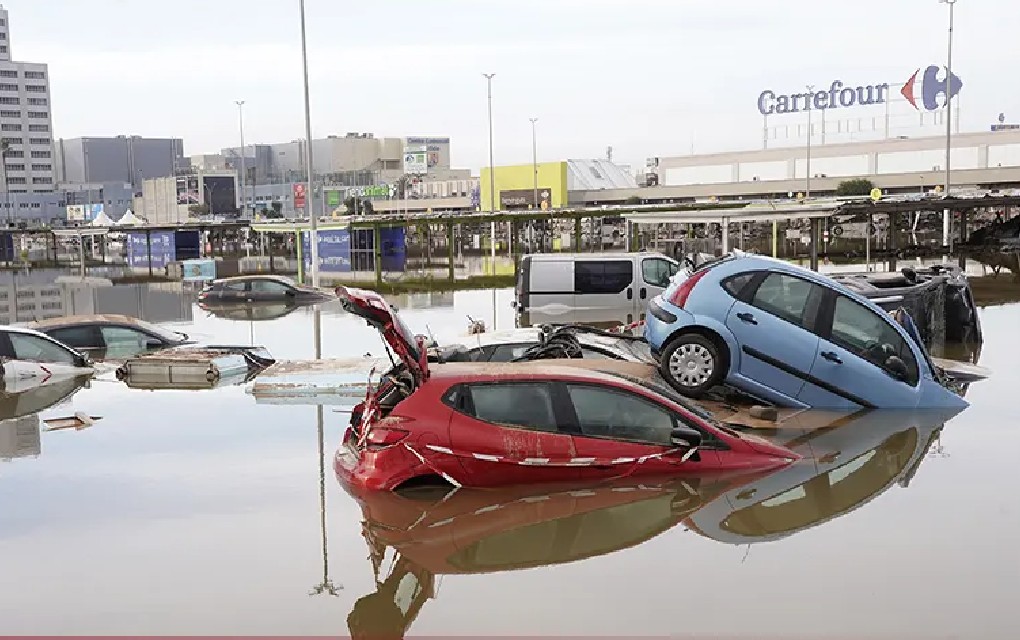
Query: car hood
(381,315)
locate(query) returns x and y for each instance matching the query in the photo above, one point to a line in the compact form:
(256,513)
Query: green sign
(333,198)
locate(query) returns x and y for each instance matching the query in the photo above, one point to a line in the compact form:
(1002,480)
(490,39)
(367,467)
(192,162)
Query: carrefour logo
(930,86)
(920,92)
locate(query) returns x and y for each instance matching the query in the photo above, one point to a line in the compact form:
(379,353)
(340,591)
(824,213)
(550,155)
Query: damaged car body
(791,337)
(487,425)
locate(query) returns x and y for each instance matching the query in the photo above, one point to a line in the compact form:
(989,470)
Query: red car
(489,425)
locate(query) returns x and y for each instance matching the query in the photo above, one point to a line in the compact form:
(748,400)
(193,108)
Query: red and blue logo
(923,91)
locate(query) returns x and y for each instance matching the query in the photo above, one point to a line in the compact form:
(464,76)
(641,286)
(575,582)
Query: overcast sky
(648,77)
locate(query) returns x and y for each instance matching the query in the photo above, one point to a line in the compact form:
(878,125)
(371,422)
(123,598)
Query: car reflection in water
(848,462)
(434,532)
(250,312)
(21,401)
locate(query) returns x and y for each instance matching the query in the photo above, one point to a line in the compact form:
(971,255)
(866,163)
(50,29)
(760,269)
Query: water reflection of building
(26,297)
(19,438)
(20,404)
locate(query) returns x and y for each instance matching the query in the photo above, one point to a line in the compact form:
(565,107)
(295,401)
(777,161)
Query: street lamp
(313,230)
(811,97)
(492,177)
(534,156)
(947,215)
(240,114)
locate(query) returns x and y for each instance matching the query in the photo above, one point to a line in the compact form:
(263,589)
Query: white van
(589,288)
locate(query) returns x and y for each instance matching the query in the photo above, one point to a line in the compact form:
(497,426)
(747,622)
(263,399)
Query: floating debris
(195,367)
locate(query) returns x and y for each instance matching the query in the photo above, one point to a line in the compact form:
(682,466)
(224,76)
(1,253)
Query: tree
(855,187)
(357,207)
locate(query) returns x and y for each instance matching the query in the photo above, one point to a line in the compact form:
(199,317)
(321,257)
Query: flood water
(202,512)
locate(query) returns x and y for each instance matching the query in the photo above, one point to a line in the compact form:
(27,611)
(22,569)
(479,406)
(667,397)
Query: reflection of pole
(326,586)
(244,179)
(313,231)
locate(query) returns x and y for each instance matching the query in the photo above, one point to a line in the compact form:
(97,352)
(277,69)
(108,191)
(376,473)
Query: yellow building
(515,187)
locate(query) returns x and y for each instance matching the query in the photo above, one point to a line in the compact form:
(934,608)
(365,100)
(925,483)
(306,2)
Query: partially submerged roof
(83,319)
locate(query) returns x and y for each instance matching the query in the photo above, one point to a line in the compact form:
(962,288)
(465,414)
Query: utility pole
(947,214)
(807,186)
(492,177)
(240,113)
(534,156)
(313,232)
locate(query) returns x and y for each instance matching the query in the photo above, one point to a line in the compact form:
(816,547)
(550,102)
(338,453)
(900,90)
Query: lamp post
(240,115)
(807,185)
(492,177)
(313,230)
(534,166)
(947,215)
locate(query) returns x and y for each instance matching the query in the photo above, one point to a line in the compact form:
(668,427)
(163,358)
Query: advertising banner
(199,270)
(416,160)
(334,251)
(187,190)
(163,250)
(97,210)
(394,252)
(333,198)
(76,212)
(299,195)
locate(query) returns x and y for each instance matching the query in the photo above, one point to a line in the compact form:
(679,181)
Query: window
(603,276)
(37,155)
(10,127)
(39,128)
(38,102)
(42,167)
(77,337)
(734,285)
(38,114)
(35,75)
(6,100)
(6,86)
(508,352)
(602,413)
(35,88)
(15,167)
(865,333)
(657,272)
(122,336)
(10,114)
(235,286)
(38,140)
(268,286)
(784,296)
(34,348)
(8,73)
(528,405)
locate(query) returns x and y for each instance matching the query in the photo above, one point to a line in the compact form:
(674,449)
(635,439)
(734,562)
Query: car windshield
(162,333)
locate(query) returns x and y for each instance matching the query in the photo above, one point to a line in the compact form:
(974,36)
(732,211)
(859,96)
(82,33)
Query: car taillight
(680,295)
(385,436)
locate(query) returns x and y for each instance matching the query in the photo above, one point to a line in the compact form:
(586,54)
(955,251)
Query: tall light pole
(240,116)
(492,177)
(313,231)
(947,215)
(534,156)
(811,97)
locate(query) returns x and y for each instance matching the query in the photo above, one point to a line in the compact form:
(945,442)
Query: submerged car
(476,425)
(260,288)
(110,336)
(26,353)
(789,336)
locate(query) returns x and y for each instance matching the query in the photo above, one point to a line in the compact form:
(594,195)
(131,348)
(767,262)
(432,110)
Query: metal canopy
(743,214)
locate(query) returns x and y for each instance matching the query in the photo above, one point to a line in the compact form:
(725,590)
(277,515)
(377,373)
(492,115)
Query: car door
(851,366)
(269,291)
(604,290)
(656,273)
(234,292)
(510,432)
(123,342)
(770,320)
(614,424)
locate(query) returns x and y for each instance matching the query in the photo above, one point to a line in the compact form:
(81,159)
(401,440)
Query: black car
(110,336)
(243,289)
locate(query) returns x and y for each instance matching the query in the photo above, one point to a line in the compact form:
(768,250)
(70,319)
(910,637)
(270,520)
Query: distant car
(110,336)
(26,353)
(486,426)
(256,288)
(790,336)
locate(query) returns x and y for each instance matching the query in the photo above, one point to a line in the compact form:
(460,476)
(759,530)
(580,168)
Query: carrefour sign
(921,91)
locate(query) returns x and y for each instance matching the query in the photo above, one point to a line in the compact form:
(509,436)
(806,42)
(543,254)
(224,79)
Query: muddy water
(201,513)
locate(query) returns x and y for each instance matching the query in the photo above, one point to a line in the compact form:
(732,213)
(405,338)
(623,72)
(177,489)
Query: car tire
(692,364)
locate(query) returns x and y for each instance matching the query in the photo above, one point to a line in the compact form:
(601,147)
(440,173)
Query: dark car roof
(65,321)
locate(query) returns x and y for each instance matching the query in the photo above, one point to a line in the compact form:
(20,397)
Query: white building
(26,123)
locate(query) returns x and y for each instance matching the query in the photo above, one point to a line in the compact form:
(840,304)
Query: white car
(506,346)
(25,353)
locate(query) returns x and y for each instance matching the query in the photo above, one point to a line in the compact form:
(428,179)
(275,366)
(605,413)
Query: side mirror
(685,437)
(290,293)
(896,367)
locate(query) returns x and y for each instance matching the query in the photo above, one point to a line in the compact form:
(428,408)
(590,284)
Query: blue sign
(199,270)
(394,250)
(920,92)
(163,249)
(334,250)
(93,212)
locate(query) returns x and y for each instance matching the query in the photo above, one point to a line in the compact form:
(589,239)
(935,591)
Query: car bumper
(385,469)
(662,321)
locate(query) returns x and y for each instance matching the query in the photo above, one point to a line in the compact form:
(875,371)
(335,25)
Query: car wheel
(692,364)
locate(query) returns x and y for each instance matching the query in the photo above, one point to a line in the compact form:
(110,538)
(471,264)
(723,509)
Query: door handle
(831,357)
(644,293)
(747,317)
(630,293)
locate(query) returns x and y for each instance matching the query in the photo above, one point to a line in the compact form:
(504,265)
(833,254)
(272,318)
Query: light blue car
(789,336)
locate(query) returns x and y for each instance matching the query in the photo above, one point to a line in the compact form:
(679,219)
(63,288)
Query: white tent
(102,220)
(129,218)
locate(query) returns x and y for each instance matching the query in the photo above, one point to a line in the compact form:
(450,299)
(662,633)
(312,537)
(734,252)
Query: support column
(377,253)
(449,248)
(894,235)
(814,243)
(577,234)
(963,238)
(725,235)
(148,248)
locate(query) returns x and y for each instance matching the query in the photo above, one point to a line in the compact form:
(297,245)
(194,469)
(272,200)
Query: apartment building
(26,123)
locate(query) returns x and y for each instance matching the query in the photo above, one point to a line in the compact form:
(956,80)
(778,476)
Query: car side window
(603,276)
(268,286)
(122,336)
(735,285)
(36,349)
(235,287)
(784,296)
(77,337)
(509,352)
(527,405)
(865,333)
(657,271)
(617,415)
